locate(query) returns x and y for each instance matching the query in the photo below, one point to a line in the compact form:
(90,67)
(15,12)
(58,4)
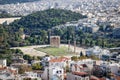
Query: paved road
(9,20)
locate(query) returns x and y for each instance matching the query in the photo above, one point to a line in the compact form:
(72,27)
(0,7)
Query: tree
(80,41)
(81,54)
(18,51)
(37,66)
(74,58)
(98,71)
(27,57)
(94,57)
(43,36)
(67,69)
(24,68)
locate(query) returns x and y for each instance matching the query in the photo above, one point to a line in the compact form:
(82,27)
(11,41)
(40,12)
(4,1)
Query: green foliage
(82,57)
(24,68)
(9,37)
(81,54)
(61,51)
(74,58)
(36,24)
(67,69)
(5,15)
(48,19)
(37,66)
(8,53)
(94,57)
(27,57)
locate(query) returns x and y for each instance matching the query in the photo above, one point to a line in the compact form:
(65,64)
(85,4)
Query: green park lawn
(54,51)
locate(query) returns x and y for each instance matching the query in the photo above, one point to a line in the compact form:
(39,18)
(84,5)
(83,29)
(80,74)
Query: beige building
(55,41)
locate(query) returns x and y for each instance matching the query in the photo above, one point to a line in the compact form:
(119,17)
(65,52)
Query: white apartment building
(3,63)
(50,73)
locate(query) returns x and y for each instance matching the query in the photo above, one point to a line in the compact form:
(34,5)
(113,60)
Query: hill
(48,19)
(15,1)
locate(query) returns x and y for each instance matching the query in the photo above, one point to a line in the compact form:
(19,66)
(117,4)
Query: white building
(114,67)
(45,61)
(97,51)
(53,72)
(31,75)
(3,63)
(61,62)
(93,51)
(86,64)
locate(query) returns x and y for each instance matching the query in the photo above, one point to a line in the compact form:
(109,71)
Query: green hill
(48,19)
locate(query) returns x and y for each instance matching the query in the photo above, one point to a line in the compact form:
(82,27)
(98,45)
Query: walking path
(32,52)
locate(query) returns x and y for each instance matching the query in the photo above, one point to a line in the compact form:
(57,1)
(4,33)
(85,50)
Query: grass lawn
(62,51)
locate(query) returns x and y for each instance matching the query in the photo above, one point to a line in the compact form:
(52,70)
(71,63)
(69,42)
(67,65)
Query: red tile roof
(3,68)
(80,73)
(61,59)
(117,77)
(102,79)
(8,69)
(94,78)
(81,66)
(65,76)
(13,71)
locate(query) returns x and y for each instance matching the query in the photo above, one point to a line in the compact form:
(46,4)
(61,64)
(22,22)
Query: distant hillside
(15,1)
(47,19)
(5,15)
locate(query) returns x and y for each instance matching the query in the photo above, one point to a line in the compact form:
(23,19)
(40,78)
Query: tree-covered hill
(10,36)
(14,1)
(48,19)
(36,25)
(7,15)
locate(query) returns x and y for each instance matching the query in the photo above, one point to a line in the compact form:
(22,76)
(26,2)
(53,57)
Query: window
(75,78)
(60,71)
(57,71)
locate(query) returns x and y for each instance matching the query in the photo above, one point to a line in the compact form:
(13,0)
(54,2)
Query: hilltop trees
(37,24)
(48,19)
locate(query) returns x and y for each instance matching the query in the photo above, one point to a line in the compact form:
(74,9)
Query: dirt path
(32,52)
